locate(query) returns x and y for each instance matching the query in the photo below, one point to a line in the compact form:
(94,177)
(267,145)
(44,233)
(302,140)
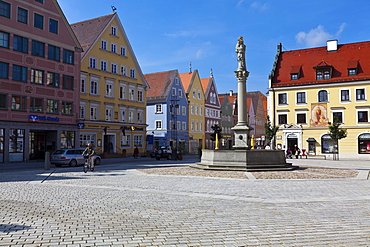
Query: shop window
(16,145)
(86,139)
(67,139)
(328,144)
(364,143)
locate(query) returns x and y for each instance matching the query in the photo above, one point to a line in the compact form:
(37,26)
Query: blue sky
(169,34)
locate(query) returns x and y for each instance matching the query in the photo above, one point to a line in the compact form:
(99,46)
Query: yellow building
(113,89)
(194,92)
(310,88)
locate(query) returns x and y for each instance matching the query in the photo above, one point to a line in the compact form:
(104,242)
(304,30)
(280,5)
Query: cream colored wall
(117,79)
(348,147)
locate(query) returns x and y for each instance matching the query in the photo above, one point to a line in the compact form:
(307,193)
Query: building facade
(257,116)
(112,87)
(39,75)
(212,109)
(311,88)
(167,111)
(195,96)
(227,121)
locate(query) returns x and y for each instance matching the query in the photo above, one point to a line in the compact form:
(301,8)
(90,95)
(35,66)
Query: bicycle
(88,164)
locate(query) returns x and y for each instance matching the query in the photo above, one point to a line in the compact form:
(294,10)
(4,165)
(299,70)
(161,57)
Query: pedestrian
(297,151)
(289,154)
(136,152)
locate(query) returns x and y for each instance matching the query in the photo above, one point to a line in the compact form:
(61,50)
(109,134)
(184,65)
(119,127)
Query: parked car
(71,157)
(163,152)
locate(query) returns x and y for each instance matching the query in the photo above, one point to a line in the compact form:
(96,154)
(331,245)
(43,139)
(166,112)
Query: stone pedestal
(244,160)
(241,136)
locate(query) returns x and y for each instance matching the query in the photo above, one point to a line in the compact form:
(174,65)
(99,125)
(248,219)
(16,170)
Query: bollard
(47,160)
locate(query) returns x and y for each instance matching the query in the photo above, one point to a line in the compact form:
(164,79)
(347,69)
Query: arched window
(323,96)
(364,143)
(328,144)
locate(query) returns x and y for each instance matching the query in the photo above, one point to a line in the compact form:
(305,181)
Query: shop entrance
(37,145)
(292,140)
(109,143)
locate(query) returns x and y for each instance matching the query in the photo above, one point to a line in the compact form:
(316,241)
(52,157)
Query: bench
(316,155)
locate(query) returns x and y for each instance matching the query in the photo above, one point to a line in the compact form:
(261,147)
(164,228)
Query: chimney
(332,45)
(231,93)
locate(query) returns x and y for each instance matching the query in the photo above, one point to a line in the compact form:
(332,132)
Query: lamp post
(173,110)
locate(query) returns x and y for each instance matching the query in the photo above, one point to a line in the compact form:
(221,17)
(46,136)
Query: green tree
(216,130)
(270,132)
(336,133)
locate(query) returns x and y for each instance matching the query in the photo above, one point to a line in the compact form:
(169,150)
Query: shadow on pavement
(35,171)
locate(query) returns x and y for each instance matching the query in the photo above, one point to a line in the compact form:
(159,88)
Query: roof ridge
(93,19)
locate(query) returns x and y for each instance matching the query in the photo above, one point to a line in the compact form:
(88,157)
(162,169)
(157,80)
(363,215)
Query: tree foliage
(335,132)
(270,131)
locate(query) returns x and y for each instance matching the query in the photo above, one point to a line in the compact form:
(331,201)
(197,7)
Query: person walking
(136,152)
(297,151)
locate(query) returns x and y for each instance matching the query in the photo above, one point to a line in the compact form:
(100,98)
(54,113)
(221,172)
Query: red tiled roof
(205,82)
(88,31)
(159,82)
(354,55)
(186,80)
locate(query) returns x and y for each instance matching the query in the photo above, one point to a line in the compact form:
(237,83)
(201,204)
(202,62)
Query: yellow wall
(114,102)
(196,114)
(348,147)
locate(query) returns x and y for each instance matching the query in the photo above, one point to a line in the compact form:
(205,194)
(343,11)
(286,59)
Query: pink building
(39,80)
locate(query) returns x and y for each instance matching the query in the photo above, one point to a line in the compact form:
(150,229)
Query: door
(37,145)
(292,142)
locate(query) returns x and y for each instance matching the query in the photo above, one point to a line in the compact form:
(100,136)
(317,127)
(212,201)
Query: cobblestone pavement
(121,205)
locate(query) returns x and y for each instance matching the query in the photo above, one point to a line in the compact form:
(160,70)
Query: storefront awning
(311,140)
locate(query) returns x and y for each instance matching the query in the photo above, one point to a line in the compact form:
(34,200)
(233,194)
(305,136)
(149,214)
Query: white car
(71,157)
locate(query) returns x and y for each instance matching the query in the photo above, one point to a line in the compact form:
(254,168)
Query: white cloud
(317,36)
(240,3)
(260,6)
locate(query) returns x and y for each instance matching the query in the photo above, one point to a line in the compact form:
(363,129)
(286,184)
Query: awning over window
(311,140)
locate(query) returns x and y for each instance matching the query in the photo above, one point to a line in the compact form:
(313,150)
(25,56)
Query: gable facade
(195,97)
(167,111)
(113,88)
(212,109)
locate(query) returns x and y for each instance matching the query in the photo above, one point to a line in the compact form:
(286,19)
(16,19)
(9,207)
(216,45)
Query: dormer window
(352,72)
(352,67)
(323,71)
(323,74)
(293,77)
(295,73)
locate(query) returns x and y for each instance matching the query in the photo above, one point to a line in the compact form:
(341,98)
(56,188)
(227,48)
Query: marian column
(241,129)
